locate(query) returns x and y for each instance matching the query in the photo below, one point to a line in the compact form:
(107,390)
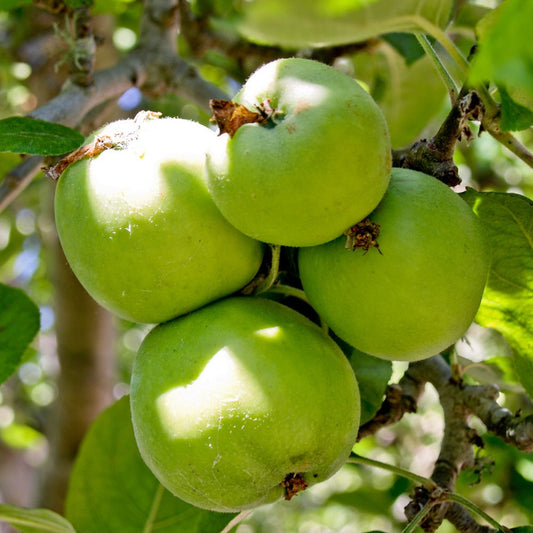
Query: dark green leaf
(515,117)
(407,45)
(505,54)
(24,135)
(19,323)
(6,5)
(34,520)
(507,304)
(301,24)
(112,490)
(373,376)
(522,529)
(74,4)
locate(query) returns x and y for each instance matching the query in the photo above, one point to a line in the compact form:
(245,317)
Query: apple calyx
(363,235)
(229,116)
(100,143)
(293,484)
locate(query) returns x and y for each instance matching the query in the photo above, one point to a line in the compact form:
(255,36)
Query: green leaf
(410,96)
(373,376)
(21,436)
(515,117)
(507,304)
(497,370)
(34,520)
(74,4)
(113,491)
(522,529)
(407,45)
(19,323)
(505,55)
(301,24)
(25,135)
(6,5)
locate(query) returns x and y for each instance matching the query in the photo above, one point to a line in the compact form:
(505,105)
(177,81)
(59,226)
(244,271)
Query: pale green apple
(320,163)
(421,293)
(242,402)
(139,228)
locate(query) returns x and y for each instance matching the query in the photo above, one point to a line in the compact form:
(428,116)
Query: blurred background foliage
(415,102)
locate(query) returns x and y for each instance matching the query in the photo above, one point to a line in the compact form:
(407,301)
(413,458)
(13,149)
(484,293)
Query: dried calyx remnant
(229,116)
(100,143)
(293,484)
(363,235)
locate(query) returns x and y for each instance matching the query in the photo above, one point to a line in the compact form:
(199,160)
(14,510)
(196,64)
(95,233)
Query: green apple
(418,292)
(319,163)
(242,402)
(139,228)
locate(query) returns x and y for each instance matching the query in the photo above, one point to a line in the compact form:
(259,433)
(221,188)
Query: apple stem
(428,494)
(237,520)
(424,481)
(415,522)
(288,290)
(263,281)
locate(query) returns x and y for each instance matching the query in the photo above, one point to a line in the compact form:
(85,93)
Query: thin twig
(446,77)
(153,63)
(17,179)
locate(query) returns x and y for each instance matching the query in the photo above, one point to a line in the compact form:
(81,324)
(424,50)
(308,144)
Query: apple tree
(266,266)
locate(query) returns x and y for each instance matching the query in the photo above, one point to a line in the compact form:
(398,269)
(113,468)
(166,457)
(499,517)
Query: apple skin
(140,230)
(319,167)
(228,400)
(421,294)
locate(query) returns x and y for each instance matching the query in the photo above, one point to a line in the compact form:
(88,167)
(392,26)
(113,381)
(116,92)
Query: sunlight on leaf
(300,24)
(505,54)
(113,491)
(507,304)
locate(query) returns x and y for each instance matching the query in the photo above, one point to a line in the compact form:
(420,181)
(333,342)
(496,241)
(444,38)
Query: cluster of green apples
(239,400)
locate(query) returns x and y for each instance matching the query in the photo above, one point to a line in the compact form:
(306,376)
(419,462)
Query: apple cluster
(239,400)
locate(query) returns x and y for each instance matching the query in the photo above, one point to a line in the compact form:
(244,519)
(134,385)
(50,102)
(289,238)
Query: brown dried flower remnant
(89,150)
(293,484)
(100,144)
(230,116)
(363,235)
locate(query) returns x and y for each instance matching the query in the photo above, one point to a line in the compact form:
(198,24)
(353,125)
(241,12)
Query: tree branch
(400,399)
(434,156)
(513,429)
(459,403)
(153,66)
(18,178)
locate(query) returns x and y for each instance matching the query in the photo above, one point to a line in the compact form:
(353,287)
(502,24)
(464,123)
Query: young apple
(139,228)
(313,161)
(416,284)
(241,403)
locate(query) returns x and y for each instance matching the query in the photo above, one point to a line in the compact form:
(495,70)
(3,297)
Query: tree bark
(85,347)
